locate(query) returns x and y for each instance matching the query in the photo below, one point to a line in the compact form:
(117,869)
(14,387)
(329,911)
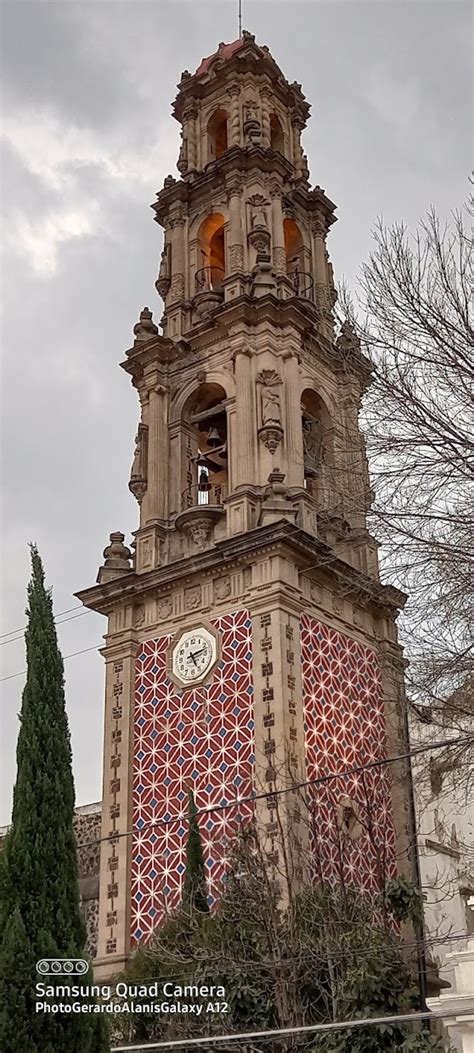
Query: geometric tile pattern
(199,738)
(344,727)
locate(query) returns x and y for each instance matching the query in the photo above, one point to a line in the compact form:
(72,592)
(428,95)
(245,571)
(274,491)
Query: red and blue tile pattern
(199,738)
(344,728)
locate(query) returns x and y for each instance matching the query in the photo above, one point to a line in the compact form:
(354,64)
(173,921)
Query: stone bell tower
(250,644)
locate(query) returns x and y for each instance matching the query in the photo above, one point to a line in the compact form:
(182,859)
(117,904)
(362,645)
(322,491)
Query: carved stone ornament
(252,125)
(145,329)
(182,163)
(138,475)
(117,559)
(348,342)
(192,598)
(163,280)
(222,588)
(312,443)
(165,607)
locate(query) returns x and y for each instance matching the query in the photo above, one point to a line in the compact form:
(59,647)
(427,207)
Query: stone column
(279,252)
(234,116)
(297,149)
(243,468)
(320,270)
(191,115)
(236,251)
(266,131)
(177,289)
(158,453)
(294,430)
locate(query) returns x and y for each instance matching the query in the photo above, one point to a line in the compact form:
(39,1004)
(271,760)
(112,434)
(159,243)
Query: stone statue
(138,475)
(163,280)
(259,216)
(271,409)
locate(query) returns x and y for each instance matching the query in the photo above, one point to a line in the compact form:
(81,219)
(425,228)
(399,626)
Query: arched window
(317,437)
(207,470)
(211,253)
(217,134)
(277,141)
(293,246)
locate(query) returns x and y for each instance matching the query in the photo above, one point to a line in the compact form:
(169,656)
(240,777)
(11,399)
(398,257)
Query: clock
(193,655)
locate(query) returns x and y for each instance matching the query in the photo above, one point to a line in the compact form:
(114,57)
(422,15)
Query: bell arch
(204,418)
(211,266)
(318,449)
(277,138)
(217,134)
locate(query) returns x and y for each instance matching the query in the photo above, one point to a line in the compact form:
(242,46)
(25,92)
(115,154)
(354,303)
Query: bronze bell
(213,438)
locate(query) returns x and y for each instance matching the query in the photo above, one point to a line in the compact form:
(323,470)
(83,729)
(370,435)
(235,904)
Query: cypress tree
(39,892)
(195,886)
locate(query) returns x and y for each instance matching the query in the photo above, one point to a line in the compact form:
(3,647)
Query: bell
(213,438)
(204,483)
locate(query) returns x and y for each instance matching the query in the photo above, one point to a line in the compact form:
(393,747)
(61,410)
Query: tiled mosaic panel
(344,728)
(200,738)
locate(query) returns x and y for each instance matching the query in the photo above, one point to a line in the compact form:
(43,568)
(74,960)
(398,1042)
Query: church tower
(250,645)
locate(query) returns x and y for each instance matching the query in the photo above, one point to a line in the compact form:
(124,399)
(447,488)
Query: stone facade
(252,484)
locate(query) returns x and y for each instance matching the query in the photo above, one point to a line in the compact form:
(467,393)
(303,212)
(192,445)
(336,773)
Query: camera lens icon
(62,966)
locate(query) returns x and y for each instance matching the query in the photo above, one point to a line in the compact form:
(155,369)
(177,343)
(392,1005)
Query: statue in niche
(182,164)
(271,409)
(259,216)
(163,280)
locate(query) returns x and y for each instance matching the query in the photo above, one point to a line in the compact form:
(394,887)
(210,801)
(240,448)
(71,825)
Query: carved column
(320,269)
(279,252)
(266,131)
(158,458)
(243,470)
(177,289)
(294,431)
(191,116)
(236,251)
(234,116)
(297,149)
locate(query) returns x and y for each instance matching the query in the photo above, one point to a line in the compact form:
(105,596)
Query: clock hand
(193,658)
(196,653)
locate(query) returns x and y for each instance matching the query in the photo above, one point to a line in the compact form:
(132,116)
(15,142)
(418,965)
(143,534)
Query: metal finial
(240,19)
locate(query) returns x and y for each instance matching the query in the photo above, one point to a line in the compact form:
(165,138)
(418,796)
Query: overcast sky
(87,141)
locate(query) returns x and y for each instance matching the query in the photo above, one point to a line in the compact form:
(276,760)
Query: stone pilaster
(279,253)
(114,888)
(243,467)
(234,116)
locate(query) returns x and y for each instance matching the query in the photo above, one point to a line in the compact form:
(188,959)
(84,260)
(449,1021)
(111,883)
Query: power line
(333,955)
(3,642)
(23,627)
(320,780)
(404,1018)
(66,656)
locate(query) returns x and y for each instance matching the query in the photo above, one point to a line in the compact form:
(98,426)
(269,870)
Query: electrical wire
(308,1029)
(320,780)
(3,643)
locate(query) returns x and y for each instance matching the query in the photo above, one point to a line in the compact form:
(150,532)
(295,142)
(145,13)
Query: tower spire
(240,19)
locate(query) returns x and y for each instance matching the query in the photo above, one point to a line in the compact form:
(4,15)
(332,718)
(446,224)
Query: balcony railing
(303,283)
(209,279)
(199,494)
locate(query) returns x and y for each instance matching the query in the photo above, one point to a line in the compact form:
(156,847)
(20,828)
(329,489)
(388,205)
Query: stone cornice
(236,161)
(308,552)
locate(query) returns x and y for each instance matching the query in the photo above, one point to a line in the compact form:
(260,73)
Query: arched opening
(207,448)
(211,253)
(217,135)
(293,246)
(301,280)
(317,438)
(277,141)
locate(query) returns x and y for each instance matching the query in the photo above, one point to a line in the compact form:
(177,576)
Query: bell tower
(250,644)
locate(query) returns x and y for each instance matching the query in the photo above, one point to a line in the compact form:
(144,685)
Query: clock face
(193,655)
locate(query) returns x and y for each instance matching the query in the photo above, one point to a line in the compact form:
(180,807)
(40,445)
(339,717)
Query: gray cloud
(88,140)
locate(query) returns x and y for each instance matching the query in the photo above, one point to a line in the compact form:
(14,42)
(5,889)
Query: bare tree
(418,330)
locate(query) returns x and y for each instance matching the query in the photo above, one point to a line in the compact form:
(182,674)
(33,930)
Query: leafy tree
(39,900)
(322,957)
(195,886)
